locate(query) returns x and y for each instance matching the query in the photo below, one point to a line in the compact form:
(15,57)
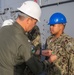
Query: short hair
(22,15)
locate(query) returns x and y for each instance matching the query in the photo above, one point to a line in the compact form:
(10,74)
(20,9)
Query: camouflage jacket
(34,36)
(63,47)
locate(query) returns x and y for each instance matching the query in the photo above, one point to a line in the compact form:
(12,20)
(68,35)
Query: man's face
(55,29)
(31,23)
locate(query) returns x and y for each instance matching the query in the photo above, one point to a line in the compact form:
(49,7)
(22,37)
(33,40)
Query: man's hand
(47,52)
(51,57)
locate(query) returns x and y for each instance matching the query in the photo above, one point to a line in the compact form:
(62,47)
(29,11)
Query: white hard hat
(7,22)
(31,8)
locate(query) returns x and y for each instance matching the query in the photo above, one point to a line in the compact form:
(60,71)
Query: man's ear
(28,20)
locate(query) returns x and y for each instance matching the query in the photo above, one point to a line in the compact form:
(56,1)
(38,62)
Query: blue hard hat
(57,18)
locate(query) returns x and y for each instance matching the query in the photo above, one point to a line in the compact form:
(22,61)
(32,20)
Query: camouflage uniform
(63,47)
(34,36)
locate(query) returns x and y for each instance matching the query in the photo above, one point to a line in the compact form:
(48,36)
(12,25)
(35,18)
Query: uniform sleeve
(70,51)
(71,65)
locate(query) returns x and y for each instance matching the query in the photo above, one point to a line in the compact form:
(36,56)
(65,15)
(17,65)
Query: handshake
(48,53)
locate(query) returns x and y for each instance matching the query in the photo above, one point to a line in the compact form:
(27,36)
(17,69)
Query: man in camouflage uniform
(62,45)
